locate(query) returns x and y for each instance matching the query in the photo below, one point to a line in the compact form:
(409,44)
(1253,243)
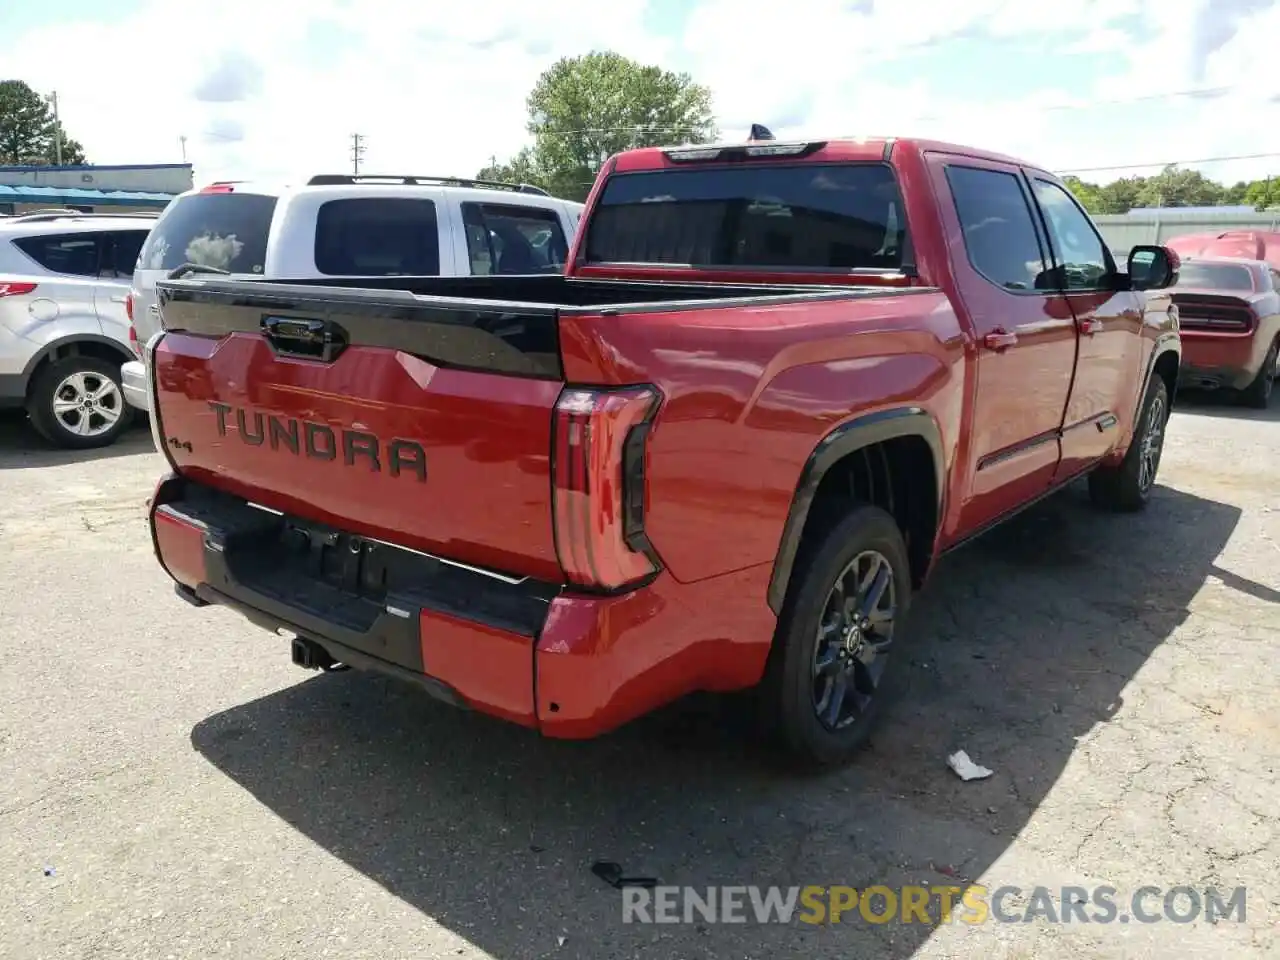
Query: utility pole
(182,141)
(57,129)
(357,153)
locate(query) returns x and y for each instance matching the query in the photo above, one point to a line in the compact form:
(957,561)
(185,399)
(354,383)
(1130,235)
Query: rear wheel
(831,666)
(1128,485)
(1258,393)
(77,403)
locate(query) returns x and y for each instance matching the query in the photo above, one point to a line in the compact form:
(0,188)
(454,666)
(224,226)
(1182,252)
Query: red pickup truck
(721,452)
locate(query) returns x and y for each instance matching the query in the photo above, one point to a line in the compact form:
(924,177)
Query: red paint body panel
(604,661)
(453,648)
(180,546)
(748,392)
(487,438)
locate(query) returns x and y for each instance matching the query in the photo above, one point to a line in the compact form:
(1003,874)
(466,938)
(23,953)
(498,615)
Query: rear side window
(999,235)
(377,237)
(785,216)
(1215,275)
(227,231)
(507,238)
(125,248)
(74,254)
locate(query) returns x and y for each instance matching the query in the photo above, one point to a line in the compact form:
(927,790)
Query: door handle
(1091,326)
(119,299)
(999,340)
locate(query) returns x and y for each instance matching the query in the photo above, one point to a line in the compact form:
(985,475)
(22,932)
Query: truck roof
(839,149)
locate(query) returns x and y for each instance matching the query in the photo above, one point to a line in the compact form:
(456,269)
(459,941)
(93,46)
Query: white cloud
(436,88)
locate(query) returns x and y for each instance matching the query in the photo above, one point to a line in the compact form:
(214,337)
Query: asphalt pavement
(172,787)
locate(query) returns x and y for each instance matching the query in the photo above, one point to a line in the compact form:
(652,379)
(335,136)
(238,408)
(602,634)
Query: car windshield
(1216,276)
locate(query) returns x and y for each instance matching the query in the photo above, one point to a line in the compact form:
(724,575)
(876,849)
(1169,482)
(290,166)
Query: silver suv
(64,325)
(338,225)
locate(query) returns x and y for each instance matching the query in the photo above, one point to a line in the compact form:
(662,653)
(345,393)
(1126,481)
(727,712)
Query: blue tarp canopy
(76,196)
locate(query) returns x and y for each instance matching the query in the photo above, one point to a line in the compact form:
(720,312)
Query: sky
(275,88)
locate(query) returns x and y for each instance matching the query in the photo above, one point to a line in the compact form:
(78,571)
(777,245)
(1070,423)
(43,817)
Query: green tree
(1235,195)
(584,109)
(519,169)
(1262,194)
(28,131)
(1087,193)
(1173,187)
(1121,196)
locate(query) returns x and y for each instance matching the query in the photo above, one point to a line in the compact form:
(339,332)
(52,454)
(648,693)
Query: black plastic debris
(611,873)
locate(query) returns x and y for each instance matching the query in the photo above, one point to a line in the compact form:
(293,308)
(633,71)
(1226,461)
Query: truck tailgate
(428,429)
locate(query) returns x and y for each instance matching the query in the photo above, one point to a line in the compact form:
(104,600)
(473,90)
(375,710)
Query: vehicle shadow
(21,446)
(1026,641)
(1215,403)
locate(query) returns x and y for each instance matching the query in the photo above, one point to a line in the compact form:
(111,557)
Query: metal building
(1158,224)
(92,188)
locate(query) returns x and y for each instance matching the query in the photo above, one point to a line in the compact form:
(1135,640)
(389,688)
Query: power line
(1172,163)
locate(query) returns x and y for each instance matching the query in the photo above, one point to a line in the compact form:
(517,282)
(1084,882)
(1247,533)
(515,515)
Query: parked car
(64,331)
(776,382)
(1230,244)
(348,226)
(1229,313)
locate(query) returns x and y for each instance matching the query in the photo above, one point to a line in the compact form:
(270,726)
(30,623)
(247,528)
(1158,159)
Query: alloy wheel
(854,636)
(87,404)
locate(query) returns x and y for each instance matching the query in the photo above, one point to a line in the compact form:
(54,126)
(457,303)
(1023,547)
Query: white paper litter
(965,768)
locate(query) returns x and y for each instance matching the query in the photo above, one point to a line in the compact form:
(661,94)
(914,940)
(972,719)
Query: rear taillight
(16,288)
(598,486)
(133,340)
(128,307)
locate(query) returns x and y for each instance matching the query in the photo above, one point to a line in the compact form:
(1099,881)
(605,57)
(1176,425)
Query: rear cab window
(505,238)
(377,237)
(786,216)
(1218,276)
(227,231)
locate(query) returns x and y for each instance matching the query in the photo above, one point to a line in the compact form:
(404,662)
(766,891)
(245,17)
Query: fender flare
(1166,343)
(845,439)
(49,350)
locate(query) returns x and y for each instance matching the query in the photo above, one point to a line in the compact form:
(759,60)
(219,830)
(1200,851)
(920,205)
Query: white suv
(64,328)
(339,225)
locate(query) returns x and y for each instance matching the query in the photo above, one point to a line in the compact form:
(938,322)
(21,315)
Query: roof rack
(345,179)
(43,216)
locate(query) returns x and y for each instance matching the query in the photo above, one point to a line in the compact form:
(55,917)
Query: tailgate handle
(319,340)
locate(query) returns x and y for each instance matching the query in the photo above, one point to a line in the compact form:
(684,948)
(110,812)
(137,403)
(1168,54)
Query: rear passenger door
(75,259)
(119,255)
(513,239)
(1025,337)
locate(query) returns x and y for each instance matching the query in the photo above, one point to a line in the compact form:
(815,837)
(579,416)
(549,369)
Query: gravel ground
(171,787)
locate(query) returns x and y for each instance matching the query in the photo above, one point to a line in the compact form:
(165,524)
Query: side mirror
(1152,267)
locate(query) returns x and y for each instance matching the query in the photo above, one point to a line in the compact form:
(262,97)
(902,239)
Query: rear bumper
(569,665)
(133,381)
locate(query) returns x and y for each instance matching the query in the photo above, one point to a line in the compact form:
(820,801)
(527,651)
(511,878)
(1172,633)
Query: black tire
(790,694)
(1127,486)
(1258,393)
(51,386)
